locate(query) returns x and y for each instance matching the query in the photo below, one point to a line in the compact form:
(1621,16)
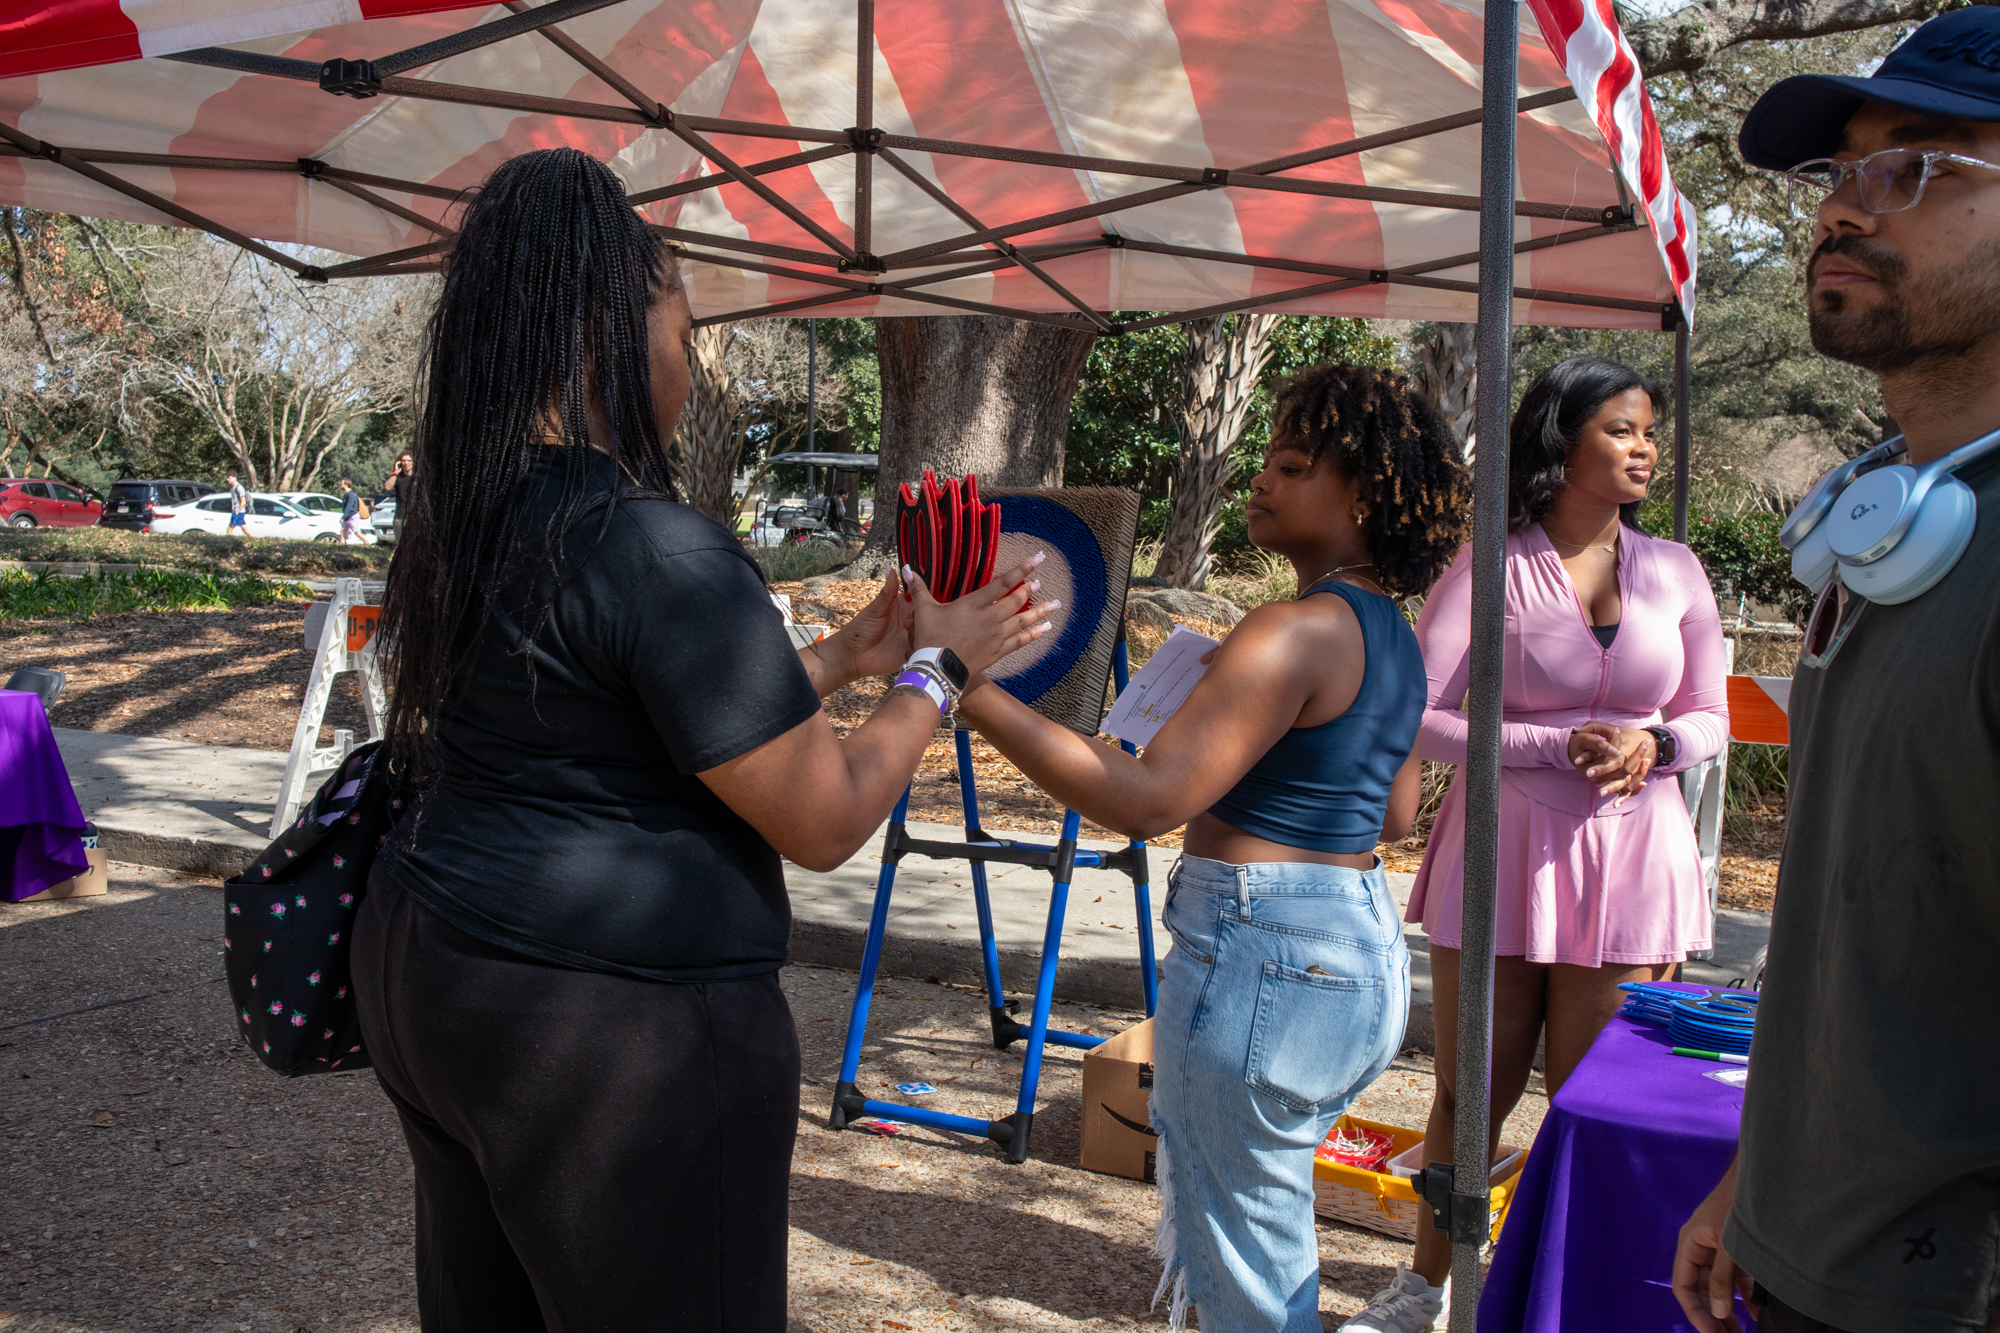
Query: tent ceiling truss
(844,268)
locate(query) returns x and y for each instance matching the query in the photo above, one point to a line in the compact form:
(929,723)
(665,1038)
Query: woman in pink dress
(1615,674)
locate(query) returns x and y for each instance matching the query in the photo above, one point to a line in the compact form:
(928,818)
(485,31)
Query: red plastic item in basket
(947,535)
(1355,1146)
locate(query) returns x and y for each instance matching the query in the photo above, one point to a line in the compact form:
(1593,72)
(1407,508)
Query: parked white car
(318,502)
(267,516)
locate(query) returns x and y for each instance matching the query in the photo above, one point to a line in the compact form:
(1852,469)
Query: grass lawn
(194,551)
(27,598)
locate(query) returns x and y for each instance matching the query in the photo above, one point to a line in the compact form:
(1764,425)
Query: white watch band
(929,682)
(931,662)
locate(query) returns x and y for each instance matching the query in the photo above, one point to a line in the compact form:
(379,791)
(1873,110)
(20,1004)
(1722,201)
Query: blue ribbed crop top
(1327,787)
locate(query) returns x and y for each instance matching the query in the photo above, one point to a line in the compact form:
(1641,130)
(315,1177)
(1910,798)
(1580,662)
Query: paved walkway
(206,809)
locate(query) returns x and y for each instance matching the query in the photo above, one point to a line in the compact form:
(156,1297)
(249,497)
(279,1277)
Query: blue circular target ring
(1049,522)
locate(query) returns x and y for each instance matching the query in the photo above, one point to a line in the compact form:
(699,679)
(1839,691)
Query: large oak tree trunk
(1225,356)
(970,393)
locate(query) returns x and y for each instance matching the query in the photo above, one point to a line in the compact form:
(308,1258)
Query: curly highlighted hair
(1379,430)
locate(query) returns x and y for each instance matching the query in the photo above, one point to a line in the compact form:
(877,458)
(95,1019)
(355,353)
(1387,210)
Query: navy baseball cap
(1950,67)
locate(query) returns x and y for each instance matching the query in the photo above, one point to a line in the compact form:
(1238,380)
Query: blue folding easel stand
(1061,861)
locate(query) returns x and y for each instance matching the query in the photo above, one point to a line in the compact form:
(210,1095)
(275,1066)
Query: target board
(1088,535)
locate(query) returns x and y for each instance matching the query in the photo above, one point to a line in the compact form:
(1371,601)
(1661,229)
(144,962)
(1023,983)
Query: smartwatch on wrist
(1665,748)
(938,673)
(945,662)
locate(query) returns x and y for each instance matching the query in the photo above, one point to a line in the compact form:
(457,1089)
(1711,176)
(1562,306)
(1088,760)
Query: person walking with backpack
(1865,1195)
(350,512)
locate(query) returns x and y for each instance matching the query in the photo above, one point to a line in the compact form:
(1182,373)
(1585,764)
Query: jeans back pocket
(1315,1037)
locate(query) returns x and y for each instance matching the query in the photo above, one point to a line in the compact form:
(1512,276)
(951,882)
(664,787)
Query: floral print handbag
(289,916)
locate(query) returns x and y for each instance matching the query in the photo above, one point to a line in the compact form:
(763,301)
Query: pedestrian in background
(401,483)
(1616,673)
(350,513)
(239,508)
(1865,1195)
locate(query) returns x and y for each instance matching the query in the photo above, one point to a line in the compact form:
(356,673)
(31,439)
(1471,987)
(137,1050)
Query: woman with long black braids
(1288,983)
(566,964)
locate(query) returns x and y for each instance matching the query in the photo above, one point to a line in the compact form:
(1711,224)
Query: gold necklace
(1579,547)
(1342,569)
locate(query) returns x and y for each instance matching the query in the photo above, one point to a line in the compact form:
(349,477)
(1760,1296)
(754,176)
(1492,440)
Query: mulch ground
(157,1178)
(238,677)
(217,677)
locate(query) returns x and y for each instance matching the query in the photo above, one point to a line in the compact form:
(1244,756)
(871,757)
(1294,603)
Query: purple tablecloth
(41,825)
(1633,1142)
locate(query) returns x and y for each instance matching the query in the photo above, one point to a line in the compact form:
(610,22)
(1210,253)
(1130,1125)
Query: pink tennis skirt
(1581,881)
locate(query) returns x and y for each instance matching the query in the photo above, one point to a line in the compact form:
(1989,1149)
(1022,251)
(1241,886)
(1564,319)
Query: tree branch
(1689,38)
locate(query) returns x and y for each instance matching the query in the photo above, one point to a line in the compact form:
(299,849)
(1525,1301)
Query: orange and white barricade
(1757,716)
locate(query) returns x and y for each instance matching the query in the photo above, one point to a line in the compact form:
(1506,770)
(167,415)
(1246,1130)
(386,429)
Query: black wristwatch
(1665,749)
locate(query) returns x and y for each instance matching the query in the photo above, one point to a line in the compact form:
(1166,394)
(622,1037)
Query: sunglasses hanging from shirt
(1889,531)
(946,534)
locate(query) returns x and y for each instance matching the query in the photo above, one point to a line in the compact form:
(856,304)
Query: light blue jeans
(1284,995)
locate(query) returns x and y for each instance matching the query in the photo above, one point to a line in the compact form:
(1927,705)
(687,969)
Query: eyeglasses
(1830,624)
(1891,180)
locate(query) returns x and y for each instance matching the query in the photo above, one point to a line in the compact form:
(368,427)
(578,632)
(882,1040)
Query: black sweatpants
(594,1153)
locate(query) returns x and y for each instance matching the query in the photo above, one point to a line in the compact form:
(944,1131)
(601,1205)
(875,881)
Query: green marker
(1723,1056)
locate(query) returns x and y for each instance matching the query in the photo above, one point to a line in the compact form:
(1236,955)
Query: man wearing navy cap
(1866,1193)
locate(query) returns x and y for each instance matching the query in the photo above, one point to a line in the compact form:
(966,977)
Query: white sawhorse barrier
(346,643)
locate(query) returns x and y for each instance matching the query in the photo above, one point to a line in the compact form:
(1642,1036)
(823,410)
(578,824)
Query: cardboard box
(89,884)
(1118,1139)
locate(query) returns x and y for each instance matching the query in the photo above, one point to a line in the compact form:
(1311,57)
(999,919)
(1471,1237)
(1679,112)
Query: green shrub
(193,550)
(793,561)
(1742,555)
(46,595)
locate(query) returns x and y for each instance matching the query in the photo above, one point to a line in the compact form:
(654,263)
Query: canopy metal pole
(812,377)
(1683,382)
(1468,1213)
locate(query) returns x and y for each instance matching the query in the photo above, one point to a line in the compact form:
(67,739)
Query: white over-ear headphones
(1892,531)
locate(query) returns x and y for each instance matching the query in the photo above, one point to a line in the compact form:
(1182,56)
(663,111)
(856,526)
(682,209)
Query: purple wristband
(921,680)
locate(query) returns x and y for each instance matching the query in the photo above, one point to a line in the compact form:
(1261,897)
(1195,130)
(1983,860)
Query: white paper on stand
(1162,685)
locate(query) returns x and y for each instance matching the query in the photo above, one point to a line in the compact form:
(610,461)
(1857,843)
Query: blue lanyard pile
(1649,1003)
(1721,1020)
(1715,1022)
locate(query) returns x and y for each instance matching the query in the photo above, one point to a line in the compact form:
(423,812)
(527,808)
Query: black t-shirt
(402,488)
(567,823)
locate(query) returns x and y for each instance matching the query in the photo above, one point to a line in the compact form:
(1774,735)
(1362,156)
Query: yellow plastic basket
(1384,1201)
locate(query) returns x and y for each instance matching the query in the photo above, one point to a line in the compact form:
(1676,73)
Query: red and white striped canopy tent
(1023,157)
(1032,158)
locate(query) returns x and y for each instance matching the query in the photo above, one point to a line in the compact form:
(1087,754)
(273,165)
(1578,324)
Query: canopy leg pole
(1683,382)
(864,120)
(1468,1214)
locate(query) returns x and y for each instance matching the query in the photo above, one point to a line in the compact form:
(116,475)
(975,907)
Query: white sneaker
(1407,1305)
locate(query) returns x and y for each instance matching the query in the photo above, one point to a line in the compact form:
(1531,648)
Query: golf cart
(822,519)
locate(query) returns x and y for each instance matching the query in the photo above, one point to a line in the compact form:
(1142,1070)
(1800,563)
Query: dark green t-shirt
(1868,1194)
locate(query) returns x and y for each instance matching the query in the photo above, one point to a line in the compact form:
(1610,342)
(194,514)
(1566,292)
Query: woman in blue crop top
(1287,986)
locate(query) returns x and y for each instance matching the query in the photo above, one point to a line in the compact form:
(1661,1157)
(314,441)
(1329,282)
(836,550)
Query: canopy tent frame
(850,268)
(854,269)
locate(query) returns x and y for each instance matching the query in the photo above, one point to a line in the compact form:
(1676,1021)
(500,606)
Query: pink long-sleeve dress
(1581,880)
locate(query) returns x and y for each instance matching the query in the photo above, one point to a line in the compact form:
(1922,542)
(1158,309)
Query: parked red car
(41,503)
